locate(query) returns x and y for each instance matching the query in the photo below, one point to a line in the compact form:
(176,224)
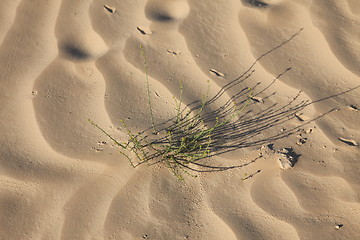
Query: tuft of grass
(186,142)
(186,139)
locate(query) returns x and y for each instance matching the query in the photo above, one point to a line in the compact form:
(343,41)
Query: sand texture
(63,62)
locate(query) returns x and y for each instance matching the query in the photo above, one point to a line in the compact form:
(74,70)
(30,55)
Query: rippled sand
(63,62)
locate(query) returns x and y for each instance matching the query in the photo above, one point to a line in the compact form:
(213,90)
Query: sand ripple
(63,62)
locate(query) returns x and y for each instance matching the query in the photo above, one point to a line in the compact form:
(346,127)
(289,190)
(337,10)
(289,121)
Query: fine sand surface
(63,62)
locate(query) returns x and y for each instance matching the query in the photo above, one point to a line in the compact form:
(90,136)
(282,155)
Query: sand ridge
(64,62)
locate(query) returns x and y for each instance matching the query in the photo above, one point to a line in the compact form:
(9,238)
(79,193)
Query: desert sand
(63,62)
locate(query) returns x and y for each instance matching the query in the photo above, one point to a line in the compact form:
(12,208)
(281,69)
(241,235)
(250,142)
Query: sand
(63,62)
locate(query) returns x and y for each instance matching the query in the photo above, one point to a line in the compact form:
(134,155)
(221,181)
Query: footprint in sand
(78,42)
(167,11)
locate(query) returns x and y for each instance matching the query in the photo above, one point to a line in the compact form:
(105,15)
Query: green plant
(186,142)
(186,139)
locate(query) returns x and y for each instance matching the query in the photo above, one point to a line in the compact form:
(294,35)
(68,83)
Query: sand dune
(64,62)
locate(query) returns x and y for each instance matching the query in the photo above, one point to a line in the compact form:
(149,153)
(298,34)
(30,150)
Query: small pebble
(144,30)
(257,99)
(309,130)
(338,226)
(354,108)
(348,141)
(175,52)
(109,9)
(217,73)
(301,117)
(301,141)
